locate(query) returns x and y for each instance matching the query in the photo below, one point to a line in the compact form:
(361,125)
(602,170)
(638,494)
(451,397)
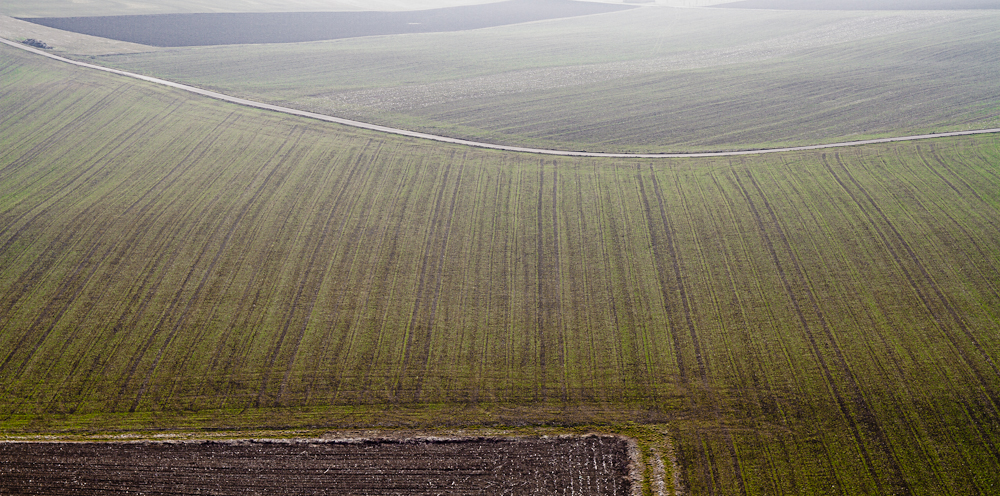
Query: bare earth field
(572,466)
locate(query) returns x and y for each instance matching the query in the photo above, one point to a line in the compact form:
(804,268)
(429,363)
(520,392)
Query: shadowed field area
(175,30)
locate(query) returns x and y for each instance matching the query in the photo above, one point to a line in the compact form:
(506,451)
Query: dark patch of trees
(37,43)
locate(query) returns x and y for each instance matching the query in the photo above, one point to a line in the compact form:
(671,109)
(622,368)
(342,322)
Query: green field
(802,323)
(652,79)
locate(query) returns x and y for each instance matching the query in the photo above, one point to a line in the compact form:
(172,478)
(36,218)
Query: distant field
(64,8)
(803,323)
(65,42)
(651,79)
(176,30)
(864,4)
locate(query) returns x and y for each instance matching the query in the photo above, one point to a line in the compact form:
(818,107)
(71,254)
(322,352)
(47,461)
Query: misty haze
(663,247)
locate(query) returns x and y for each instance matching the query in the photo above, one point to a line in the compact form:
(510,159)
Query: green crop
(800,323)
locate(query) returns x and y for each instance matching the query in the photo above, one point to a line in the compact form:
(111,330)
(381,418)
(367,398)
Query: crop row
(808,323)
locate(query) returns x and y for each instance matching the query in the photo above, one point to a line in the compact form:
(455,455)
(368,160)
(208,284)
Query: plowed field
(590,465)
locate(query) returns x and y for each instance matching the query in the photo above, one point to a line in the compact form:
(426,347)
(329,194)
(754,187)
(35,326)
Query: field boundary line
(478,144)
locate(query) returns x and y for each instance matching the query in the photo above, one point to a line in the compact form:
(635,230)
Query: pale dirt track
(445,139)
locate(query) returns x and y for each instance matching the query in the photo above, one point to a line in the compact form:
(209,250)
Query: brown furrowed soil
(588,465)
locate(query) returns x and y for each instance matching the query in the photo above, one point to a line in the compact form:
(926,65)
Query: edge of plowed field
(652,467)
(478,144)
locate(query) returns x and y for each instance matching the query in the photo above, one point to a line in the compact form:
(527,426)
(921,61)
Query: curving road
(445,139)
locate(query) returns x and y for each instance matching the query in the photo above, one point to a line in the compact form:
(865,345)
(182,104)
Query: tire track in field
(56,248)
(484,355)
(711,393)
(753,282)
(989,163)
(411,329)
(471,297)
(615,257)
(346,263)
(233,226)
(64,187)
(64,129)
(209,271)
(560,322)
(928,280)
(334,210)
(150,294)
(509,259)
(439,277)
(867,418)
(994,222)
(547,278)
(609,289)
(55,131)
(659,256)
(445,139)
(429,269)
(503,283)
(68,281)
(987,278)
(429,242)
(315,365)
(542,308)
(588,294)
(401,196)
(141,229)
(105,283)
(770,403)
(984,385)
(922,153)
(681,286)
(348,259)
(246,303)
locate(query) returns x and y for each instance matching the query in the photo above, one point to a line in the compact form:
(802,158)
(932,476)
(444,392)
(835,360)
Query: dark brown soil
(587,465)
(173,30)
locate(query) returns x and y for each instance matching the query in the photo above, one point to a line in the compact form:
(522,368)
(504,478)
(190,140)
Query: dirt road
(445,139)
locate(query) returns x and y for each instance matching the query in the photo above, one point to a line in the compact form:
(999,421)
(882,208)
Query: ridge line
(478,144)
